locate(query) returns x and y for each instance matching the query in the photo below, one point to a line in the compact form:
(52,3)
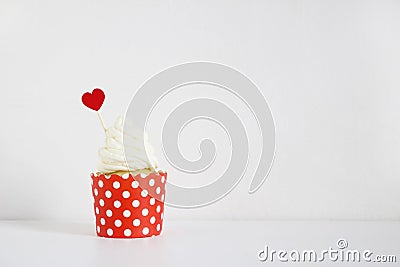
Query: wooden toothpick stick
(101,121)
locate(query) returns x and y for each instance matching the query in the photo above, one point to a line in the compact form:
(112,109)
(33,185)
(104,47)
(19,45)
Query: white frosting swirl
(112,156)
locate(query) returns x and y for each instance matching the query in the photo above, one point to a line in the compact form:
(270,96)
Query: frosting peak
(112,156)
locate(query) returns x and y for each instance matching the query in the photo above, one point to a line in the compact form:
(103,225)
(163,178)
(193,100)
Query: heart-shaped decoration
(93,100)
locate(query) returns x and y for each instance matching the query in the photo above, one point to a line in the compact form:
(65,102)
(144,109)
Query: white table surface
(188,243)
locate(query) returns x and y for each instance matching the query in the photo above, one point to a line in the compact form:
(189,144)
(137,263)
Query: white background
(329,70)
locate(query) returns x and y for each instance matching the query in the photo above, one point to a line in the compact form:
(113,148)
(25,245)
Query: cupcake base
(129,206)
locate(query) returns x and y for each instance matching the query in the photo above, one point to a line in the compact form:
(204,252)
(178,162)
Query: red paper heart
(93,100)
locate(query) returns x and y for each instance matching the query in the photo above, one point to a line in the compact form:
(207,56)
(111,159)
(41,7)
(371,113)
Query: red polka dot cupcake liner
(128,206)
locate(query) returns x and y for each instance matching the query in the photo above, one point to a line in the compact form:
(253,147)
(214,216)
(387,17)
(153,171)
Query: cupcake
(128,188)
(128,194)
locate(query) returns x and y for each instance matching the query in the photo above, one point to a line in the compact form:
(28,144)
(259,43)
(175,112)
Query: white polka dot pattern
(117,204)
(126,213)
(118,223)
(127,232)
(128,206)
(144,193)
(135,203)
(126,194)
(110,231)
(145,212)
(145,231)
(135,184)
(151,182)
(109,213)
(116,185)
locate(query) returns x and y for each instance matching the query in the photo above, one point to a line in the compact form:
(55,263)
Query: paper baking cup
(124,209)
